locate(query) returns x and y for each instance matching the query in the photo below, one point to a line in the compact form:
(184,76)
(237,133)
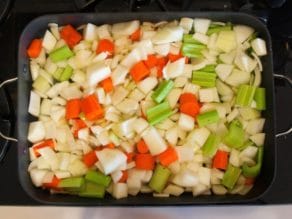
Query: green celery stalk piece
(98,178)
(231,176)
(209,68)
(158,113)
(61,54)
(192,50)
(253,171)
(235,135)
(260,98)
(245,95)
(57,74)
(216,29)
(245,145)
(188,38)
(92,190)
(210,147)
(204,79)
(67,73)
(162,91)
(72,184)
(41,84)
(208,118)
(159,178)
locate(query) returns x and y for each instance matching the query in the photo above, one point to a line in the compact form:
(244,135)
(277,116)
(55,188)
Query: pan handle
(8,138)
(289,80)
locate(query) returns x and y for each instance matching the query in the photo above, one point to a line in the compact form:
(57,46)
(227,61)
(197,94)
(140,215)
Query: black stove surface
(275,13)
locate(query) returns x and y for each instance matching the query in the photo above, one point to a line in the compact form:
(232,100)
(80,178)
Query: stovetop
(276,14)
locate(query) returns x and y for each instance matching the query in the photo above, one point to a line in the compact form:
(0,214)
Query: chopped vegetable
(107,85)
(253,171)
(189,104)
(105,45)
(92,190)
(72,184)
(245,95)
(260,98)
(144,161)
(204,79)
(34,49)
(231,176)
(139,71)
(158,113)
(136,35)
(220,160)
(162,91)
(210,147)
(61,54)
(235,135)
(159,178)
(91,108)
(142,147)
(98,178)
(73,108)
(168,156)
(90,158)
(208,118)
(70,35)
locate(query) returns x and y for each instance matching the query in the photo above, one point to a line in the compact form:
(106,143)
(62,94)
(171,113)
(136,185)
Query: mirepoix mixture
(139,107)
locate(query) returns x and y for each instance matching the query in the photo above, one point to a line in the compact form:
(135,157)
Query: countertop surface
(238,212)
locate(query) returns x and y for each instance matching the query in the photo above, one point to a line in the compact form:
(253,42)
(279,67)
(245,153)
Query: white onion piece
(125,28)
(259,46)
(147,84)
(186,122)
(168,35)
(201,25)
(199,136)
(174,69)
(34,104)
(242,32)
(255,126)
(173,97)
(89,32)
(208,95)
(202,38)
(111,159)
(258,139)
(49,41)
(37,176)
(155,142)
(184,153)
(96,73)
(50,156)
(36,131)
(223,71)
(186,23)
(186,178)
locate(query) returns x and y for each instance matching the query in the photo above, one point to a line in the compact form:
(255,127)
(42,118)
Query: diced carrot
(190,108)
(105,45)
(70,35)
(73,109)
(139,71)
(90,158)
(136,35)
(249,181)
(110,146)
(77,125)
(151,61)
(159,71)
(168,156)
(130,156)
(91,108)
(220,160)
(161,62)
(142,147)
(174,57)
(46,143)
(34,49)
(107,85)
(124,177)
(145,161)
(187,97)
(53,184)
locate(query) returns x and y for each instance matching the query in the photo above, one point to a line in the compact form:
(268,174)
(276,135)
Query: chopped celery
(41,84)
(235,135)
(67,73)
(61,54)
(158,113)
(162,91)
(245,145)
(188,38)
(254,170)
(231,176)
(209,68)
(92,190)
(260,98)
(72,184)
(159,179)
(210,147)
(245,95)
(208,118)
(98,178)
(218,28)
(204,79)
(57,74)
(192,50)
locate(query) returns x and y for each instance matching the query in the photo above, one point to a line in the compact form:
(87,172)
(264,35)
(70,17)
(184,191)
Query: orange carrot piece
(130,156)
(110,146)
(124,177)
(142,147)
(220,160)
(144,161)
(139,71)
(46,143)
(190,108)
(151,61)
(136,35)
(249,181)
(34,49)
(73,109)
(105,45)
(161,62)
(77,125)
(53,184)
(187,97)
(70,35)
(91,108)
(107,85)
(90,158)
(174,57)
(168,156)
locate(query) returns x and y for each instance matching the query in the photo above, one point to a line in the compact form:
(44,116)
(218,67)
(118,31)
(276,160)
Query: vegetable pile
(162,108)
